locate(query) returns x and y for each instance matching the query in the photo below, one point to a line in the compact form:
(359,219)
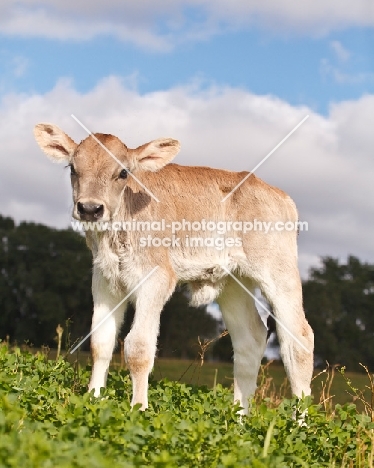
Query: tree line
(45,280)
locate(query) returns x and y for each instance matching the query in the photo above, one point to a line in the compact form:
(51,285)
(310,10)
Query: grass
(48,419)
(328,384)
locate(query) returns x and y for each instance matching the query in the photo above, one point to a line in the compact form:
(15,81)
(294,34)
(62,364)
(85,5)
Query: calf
(178,229)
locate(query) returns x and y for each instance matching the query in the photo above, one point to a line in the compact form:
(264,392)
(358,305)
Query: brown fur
(267,260)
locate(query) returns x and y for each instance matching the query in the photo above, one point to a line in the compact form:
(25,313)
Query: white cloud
(11,69)
(20,65)
(329,71)
(326,165)
(354,78)
(161,24)
(340,51)
(317,17)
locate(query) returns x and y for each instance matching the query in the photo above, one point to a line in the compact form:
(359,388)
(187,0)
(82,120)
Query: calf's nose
(90,210)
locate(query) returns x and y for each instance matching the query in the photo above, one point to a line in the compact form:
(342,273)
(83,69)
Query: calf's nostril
(98,210)
(90,209)
(80,207)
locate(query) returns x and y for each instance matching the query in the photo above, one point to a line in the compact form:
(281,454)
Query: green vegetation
(47,419)
(45,279)
(274,379)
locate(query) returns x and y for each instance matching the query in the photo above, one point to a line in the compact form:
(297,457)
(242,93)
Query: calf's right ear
(54,142)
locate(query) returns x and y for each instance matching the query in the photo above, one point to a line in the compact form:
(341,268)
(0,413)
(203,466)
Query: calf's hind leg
(295,335)
(248,335)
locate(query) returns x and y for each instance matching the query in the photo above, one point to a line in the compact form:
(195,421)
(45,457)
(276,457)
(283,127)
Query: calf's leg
(103,339)
(295,336)
(248,335)
(141,342)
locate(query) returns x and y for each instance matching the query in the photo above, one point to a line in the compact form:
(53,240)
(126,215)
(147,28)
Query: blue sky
(229,78)
(314,71)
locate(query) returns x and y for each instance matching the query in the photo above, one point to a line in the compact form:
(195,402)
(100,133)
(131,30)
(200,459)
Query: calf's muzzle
(90,211)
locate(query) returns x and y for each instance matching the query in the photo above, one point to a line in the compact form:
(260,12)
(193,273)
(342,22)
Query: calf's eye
(123,174)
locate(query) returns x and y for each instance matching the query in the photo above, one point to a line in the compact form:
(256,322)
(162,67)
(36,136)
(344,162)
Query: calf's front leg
(141,342)
(103,339)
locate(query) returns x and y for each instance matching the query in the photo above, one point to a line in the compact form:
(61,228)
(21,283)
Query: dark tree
(45,280)
(339,304)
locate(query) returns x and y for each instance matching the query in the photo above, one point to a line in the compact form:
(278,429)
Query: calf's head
(100,166)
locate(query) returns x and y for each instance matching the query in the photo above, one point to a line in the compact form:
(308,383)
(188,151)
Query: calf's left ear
(156,154)
(54,142)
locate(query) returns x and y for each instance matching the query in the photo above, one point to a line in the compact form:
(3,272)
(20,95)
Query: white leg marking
(285,295)
(248,335)
(103,340)
(141,342)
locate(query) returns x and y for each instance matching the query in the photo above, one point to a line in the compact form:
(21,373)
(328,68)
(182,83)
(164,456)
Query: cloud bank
(326,165)
(160,25)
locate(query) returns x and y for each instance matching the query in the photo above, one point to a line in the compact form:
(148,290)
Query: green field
(47,419)
(193,373)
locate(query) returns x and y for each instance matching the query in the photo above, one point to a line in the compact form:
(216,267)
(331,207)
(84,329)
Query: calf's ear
(156,154)
(54,142)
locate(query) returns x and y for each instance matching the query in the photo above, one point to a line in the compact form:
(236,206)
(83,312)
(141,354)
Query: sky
(228,78)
